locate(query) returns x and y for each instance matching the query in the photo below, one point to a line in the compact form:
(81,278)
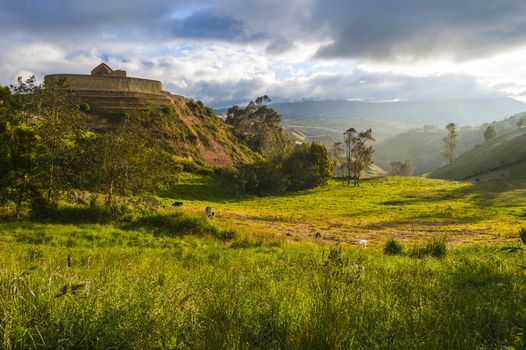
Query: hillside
(325,120)
(187,129)
(503,157)
(184,127)
(423,146)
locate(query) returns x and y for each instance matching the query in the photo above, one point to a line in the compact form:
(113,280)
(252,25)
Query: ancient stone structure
(112,92)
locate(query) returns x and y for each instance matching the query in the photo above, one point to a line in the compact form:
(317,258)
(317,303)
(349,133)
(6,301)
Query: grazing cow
(210,212)
(362,243)
(177,204)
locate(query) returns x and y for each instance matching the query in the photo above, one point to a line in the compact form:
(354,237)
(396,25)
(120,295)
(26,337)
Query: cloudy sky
(234,50)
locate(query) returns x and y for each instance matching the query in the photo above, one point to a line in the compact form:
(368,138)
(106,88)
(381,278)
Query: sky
(225,51)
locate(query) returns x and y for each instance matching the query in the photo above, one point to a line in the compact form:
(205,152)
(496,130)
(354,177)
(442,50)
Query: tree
(490,133)
(359,151)
(18,145)
(521,122)
(402,169)
(450,141)
(308,166)
(258,126)
(120,161)
(337,154)
(349,137)
(52,109)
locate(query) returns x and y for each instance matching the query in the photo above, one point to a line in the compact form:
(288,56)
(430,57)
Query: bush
(393,247)
(227,235)
(168,109)
(522,234)
(306,167)
(437,249)
(84,107)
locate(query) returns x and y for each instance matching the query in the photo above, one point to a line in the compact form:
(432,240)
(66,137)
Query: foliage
(307,166)
(521,121)
(258,126)
(85,107)
(18,154)
(490,133)
(402,169)
(45,150)
(358,152)
(434,248)
(120,161)
(522,234)
(450,141)
(337,154)
(393,247)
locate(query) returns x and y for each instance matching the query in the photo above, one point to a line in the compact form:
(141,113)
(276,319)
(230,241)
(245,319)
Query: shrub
(393,247)
(168,109)
(522,234)
(306,167)
(227,235)
(84,107)
(437,249)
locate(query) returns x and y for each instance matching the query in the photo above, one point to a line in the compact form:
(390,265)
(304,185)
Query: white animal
(362,243)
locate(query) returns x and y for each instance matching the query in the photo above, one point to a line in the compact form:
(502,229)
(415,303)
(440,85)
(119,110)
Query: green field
(405,208)
(255,277)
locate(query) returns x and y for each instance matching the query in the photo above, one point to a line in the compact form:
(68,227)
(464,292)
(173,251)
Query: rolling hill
(503,157)
(423,146)
(325,121)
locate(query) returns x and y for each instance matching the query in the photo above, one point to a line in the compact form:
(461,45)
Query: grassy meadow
(408,209)
(254,277)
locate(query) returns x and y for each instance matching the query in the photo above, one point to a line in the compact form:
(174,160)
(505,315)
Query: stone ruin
(111,92)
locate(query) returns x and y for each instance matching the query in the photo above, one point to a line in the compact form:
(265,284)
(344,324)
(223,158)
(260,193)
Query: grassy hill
(503,157)
(325,121)
(185,128)
(423,146)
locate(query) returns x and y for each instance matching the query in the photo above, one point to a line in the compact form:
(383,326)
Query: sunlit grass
(202,293)
(252,278)
(407,208)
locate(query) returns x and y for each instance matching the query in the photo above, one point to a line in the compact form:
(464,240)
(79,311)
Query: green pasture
(254,277)
(406,208)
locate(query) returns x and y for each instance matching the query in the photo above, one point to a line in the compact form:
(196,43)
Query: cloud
(410,30)
(238,49)
(381,30)
(211,26)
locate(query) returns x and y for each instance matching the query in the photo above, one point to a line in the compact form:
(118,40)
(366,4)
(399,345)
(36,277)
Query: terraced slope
(187,128)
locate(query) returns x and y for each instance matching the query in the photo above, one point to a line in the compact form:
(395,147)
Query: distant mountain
(503,157)
(423,146)
(326,120)
(437,112)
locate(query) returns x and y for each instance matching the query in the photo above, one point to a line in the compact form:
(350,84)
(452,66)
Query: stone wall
(81,82)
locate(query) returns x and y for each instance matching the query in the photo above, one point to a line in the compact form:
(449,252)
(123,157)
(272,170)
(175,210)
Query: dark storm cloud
(402,30)
(60,19)
(411,29)
(208,25)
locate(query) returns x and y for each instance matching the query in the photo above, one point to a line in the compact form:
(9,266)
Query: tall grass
(201,293)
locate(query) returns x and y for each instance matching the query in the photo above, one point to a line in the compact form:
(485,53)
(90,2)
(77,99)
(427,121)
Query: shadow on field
(172,224)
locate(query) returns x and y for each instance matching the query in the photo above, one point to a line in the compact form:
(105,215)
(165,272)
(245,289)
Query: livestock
(210,212)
